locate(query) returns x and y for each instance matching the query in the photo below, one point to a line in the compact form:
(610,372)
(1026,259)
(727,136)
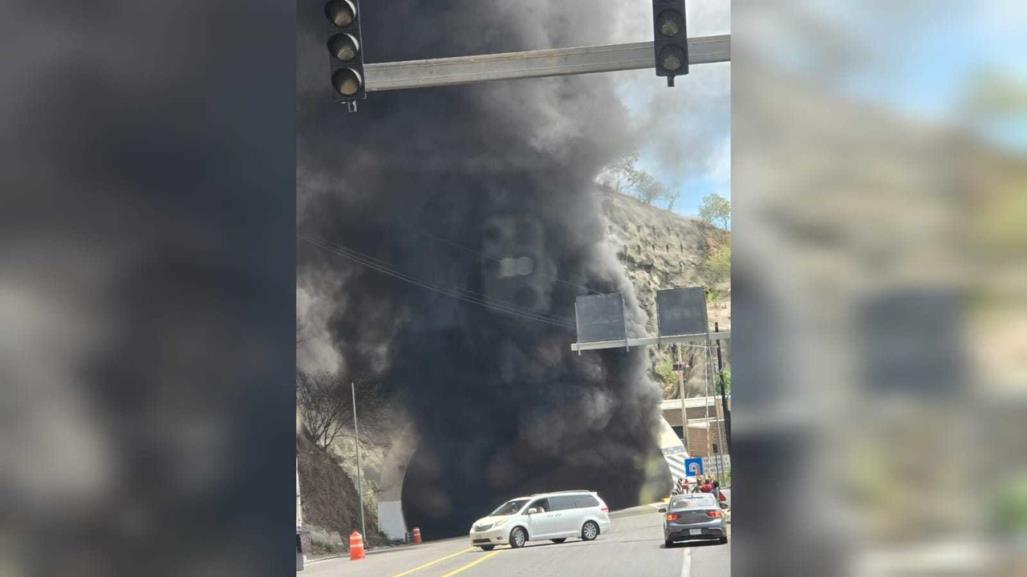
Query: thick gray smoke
(144,236)
(484,193)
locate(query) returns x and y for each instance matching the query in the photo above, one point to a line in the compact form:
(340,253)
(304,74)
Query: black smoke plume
(475,194)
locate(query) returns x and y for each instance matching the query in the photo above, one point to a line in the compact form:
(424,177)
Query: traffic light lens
(346,81)
(525,266)
(670,23)
(672,58)
(343,47)
(341,12)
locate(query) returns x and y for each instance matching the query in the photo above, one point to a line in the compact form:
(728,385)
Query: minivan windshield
(510,507)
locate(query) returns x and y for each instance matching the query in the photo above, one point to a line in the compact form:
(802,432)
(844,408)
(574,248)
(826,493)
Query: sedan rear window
(694,501)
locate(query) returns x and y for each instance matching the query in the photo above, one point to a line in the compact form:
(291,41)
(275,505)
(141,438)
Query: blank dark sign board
(600,318)
(681,311)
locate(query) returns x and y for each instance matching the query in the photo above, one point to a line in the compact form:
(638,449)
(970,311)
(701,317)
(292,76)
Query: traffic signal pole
(671,53)
(460,70)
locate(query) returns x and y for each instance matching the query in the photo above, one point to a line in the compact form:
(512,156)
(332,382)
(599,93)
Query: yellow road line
(471,564)
(430,563)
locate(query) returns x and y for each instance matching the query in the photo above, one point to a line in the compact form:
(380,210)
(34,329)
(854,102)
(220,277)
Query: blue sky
(685,131)
(935,55)
(692,188)
(929,76)
(920,58)
(692,150)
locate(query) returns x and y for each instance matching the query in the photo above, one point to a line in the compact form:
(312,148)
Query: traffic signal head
(345,52)
(515,269)
(670,39)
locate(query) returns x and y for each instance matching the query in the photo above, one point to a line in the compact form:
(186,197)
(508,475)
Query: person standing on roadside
(721,497)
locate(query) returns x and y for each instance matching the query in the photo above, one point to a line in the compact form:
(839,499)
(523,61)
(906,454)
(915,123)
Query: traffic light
(670,42)
(515,269)
(345,51)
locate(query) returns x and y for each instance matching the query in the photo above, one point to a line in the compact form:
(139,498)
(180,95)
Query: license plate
(695,531)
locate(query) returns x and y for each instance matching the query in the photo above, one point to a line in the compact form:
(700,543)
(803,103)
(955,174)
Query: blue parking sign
(693,466)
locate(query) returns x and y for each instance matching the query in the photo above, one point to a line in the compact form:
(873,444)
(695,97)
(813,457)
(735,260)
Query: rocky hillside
(329,497)
(662,250)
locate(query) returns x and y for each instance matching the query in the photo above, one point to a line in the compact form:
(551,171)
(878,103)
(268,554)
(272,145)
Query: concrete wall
(390,505)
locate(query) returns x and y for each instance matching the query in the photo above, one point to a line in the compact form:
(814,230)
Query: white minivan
(544,516)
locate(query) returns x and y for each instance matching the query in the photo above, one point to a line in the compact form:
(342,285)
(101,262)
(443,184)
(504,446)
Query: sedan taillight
(673,516)
(713,514)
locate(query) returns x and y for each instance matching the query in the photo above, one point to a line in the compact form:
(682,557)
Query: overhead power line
(461,294)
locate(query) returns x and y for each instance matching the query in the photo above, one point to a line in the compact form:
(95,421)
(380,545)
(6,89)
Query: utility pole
(301,554)
(723,394)
(681,391)
(360,473)
(299,502)
(707,369)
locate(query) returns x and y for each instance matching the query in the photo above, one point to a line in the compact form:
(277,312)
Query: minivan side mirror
(532,510)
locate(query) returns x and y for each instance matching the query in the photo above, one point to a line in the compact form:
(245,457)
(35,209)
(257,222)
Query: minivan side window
(541,504)
(586,501)
(564,502)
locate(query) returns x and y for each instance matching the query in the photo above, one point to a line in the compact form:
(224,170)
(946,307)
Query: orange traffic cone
(417,535)
(356,546)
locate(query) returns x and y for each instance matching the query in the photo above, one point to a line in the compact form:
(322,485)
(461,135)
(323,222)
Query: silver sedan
(693,516)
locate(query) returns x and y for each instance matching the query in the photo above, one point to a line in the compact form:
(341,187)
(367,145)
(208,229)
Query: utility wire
(457,293)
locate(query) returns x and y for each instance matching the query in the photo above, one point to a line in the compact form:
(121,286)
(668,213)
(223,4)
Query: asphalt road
(632,548)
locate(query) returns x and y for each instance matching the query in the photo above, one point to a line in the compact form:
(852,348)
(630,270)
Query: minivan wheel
(589,531)
(518,537)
